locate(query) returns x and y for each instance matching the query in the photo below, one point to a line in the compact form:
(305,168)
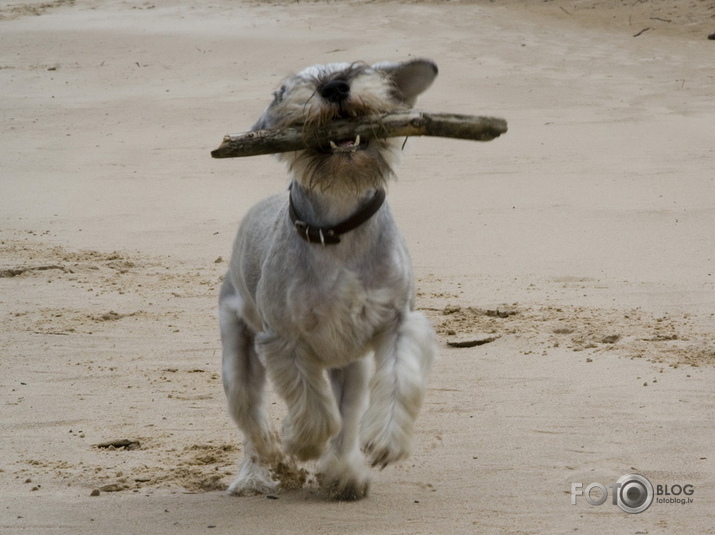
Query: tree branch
(403,124)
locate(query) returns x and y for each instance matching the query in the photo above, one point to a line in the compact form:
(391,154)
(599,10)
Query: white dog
(320,278)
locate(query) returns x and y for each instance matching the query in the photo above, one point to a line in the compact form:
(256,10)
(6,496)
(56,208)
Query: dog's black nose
(335,91)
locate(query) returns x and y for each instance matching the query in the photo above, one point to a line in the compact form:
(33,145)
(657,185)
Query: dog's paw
(387,448)
(386,435)
(253,479)
(344,479)
(252,487)
(346,489)
(381,457)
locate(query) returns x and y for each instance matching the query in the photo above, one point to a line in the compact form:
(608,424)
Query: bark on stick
(403,124)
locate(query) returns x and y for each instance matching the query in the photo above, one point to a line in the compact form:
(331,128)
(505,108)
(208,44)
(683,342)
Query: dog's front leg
(313,416)
(244,380)
(403,355)
(343,474)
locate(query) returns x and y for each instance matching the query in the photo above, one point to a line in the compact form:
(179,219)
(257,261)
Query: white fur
(310,315)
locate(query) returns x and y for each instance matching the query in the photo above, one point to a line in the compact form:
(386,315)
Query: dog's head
(323,93)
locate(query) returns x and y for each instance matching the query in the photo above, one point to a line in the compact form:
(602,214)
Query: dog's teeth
(333,145)
(357,140)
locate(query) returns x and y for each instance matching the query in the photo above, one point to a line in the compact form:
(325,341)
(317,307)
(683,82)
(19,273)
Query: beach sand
(577,251)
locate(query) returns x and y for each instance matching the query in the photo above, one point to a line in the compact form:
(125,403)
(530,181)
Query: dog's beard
(345,166)
(352,172)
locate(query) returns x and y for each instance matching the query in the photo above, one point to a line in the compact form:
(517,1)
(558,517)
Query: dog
(320,279)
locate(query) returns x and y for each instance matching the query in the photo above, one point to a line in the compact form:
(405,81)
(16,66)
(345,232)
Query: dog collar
(331,235)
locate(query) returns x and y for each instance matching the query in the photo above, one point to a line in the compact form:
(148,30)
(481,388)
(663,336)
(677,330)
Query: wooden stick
(403,124)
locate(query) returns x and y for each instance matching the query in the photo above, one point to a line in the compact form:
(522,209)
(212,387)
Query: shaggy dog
(320,279)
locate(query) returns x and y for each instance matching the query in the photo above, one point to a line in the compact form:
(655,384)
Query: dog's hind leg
(313,416)
(244,379)
(403,356)
(343,474)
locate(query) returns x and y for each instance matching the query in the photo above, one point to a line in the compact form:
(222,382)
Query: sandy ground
(581,243)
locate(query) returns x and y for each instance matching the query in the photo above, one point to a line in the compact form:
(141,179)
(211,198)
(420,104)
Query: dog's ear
(410,78)
(266,120)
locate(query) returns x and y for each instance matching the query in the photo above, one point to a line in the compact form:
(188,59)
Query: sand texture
(568,267)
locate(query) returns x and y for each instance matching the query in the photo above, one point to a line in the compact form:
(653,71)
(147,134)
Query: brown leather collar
(331,235)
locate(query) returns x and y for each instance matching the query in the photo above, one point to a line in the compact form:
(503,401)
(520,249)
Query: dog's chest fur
(338,318)
(332,301)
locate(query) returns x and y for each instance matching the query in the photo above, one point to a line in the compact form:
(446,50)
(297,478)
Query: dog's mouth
(347,146)
(344,146)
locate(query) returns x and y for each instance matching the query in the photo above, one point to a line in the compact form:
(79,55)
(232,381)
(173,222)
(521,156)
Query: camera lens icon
(634,494)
